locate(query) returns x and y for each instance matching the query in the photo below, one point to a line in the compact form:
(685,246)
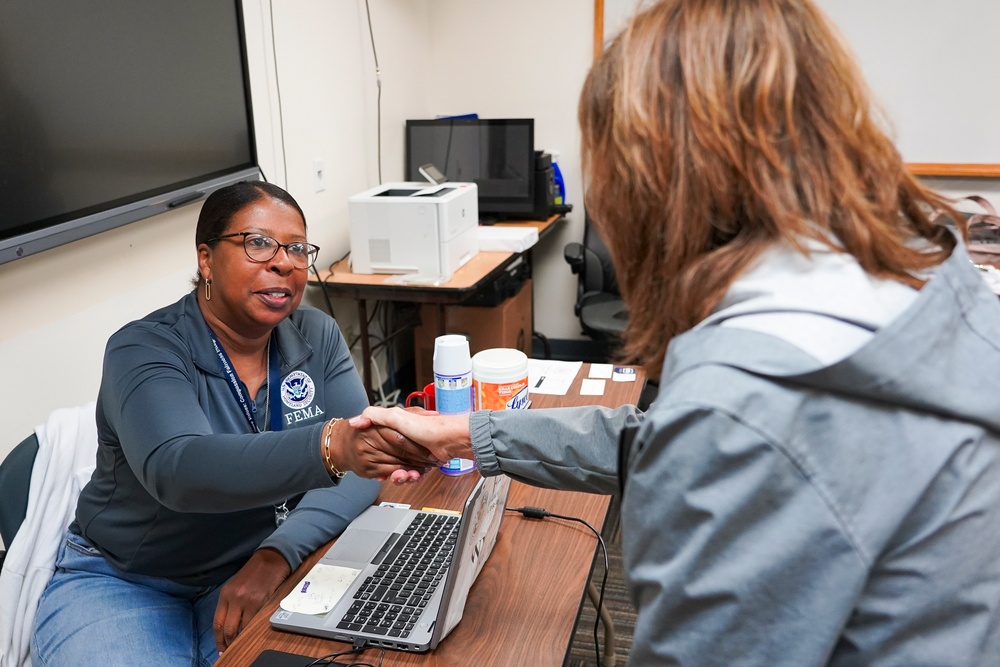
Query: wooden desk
(480,271)
(523,607)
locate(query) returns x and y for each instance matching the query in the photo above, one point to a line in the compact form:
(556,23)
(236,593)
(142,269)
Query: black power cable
(539,513)
(331,659)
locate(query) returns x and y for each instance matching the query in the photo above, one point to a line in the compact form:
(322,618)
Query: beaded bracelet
(327,433)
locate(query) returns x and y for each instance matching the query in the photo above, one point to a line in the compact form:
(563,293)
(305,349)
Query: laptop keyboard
(391,601)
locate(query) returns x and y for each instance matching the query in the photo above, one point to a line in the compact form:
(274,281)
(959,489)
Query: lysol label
(501,395)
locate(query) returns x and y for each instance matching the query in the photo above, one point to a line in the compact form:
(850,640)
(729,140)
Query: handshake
(401,445)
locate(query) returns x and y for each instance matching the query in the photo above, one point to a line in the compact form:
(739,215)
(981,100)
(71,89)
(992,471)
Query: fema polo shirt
(184,488)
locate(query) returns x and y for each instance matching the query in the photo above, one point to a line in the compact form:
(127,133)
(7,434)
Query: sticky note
(601,371)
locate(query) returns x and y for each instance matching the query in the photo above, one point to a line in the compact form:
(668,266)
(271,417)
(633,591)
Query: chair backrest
(603,271)
(15,478)
(599,305)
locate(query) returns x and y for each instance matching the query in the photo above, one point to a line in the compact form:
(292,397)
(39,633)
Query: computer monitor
(114,111)
(498,155)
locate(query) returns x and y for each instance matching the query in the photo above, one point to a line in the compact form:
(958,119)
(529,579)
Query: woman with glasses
(222,460)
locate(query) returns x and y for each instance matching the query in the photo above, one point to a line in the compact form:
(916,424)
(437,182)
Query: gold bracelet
(327,433)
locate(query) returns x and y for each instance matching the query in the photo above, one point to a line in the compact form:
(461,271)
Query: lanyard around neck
(249,407)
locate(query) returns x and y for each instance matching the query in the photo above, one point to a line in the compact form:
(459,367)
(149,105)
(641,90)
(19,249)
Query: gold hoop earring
(208,290)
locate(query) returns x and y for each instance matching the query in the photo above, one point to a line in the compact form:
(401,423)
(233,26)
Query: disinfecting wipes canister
(500,379)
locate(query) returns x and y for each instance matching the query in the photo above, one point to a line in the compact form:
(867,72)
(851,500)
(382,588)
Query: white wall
(514,58)
(933,66)
(59,307)
(314,96)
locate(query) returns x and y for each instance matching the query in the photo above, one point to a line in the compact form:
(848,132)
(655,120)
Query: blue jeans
(92,614)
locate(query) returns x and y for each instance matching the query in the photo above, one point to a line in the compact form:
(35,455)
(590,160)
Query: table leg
(608,656)
(366,349)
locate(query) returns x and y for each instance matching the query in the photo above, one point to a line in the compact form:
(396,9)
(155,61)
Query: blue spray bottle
(560,197)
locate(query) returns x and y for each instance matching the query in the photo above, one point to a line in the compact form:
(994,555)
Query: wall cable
(378,85)
(277,88)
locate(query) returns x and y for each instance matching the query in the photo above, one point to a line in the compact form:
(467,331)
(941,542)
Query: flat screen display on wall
(115,110)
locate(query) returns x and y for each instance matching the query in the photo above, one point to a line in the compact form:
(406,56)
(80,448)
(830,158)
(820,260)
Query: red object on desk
(425,396)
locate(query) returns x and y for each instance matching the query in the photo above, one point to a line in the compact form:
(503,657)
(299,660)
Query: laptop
(398,578)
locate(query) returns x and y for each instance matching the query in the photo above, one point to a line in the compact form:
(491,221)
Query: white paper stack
(510,239)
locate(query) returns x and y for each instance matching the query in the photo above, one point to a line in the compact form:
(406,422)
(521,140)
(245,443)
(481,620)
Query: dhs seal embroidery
(297,390)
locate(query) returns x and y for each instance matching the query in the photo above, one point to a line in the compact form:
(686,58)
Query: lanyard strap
(274,386)
(249,407)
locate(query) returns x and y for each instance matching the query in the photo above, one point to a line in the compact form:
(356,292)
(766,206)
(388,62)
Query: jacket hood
(918,361)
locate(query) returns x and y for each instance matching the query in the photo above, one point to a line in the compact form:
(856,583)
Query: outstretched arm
(373,450)
(443,436)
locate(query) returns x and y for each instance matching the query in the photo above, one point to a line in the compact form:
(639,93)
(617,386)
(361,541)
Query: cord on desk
(331,659)
(539,513)
(338,261)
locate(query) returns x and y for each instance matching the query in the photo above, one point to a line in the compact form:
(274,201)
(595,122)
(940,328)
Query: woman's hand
(245,593)
(374,451)
(444,436)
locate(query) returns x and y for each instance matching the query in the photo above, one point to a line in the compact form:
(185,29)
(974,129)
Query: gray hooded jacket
(778,511)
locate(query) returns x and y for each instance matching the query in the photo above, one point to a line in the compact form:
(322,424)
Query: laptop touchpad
(356,546)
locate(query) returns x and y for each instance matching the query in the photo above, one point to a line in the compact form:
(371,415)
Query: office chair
(598,304)
(15,477)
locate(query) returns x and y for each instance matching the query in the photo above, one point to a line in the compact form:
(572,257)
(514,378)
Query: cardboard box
(508,324)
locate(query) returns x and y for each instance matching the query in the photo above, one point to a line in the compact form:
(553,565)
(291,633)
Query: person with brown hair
(818,480)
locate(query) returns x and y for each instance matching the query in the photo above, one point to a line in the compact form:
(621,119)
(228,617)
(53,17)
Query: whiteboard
(933,67)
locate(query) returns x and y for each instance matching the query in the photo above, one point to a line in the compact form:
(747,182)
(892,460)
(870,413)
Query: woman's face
(248,296)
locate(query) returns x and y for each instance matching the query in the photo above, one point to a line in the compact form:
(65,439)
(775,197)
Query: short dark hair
(223,204)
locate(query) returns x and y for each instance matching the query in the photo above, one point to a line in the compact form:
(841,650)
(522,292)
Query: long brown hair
(712,129)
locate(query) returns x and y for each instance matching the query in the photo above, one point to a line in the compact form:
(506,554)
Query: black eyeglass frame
(313,249)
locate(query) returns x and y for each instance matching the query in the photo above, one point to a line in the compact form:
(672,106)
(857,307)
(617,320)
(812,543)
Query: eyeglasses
(261,248)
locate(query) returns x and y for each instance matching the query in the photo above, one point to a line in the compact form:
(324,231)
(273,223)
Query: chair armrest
(574,256)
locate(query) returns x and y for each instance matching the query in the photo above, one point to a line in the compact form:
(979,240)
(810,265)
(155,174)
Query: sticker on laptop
(320,590)
(398,506)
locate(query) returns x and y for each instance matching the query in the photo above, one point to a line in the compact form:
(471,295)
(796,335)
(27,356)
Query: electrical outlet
(319,175)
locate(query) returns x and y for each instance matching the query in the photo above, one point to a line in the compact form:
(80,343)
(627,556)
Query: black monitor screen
(109,102)
(495,154)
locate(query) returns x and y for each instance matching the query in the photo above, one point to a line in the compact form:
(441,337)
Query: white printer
(413,228)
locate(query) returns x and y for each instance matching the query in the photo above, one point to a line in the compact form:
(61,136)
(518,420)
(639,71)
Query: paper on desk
(551,377)
(592,387)
(600,371)
(422,279)
(320,589)
(509,239)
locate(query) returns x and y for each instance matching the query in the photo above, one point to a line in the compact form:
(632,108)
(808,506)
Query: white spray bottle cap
(451,355)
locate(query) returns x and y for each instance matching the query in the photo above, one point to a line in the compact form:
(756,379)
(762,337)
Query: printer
(415,229)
